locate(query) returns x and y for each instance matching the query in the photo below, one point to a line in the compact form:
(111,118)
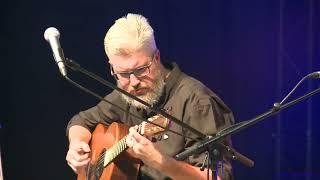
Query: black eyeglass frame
(126,75)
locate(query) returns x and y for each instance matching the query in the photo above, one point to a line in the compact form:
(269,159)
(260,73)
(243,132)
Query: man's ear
(158,55)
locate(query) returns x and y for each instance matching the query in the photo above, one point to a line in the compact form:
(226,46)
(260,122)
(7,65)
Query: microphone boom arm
(242,125)
(76,67)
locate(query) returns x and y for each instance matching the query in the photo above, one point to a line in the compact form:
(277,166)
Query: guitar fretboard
(109,155)
(145,128)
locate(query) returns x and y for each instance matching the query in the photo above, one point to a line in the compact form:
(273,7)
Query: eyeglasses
(138,72)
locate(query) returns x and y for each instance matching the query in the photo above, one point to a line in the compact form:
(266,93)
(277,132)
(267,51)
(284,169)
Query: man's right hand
(78,155)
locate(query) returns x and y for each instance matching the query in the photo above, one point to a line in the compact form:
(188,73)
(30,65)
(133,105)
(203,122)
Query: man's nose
(134,81)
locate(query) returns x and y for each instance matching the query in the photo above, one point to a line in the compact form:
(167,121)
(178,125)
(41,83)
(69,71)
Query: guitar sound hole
(94,171)
(98,171)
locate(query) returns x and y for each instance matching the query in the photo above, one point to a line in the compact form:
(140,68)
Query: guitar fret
(114,151)
(144,128)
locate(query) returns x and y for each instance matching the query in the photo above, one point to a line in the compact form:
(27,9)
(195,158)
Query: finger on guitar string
(80,146)
(85,146)
(78,156)
(134,128)
(129,141)
(138,148)
(77,170)
(130,137)
(139,138)
(76,165)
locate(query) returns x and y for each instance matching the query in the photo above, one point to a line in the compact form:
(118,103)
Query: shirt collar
(170,83)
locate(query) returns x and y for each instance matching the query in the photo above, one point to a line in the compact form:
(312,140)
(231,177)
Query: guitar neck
(143,128)
(114,151)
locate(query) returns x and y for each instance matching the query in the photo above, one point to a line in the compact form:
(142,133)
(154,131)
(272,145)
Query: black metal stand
(213,161)
(210,144)
(214,156)
(242,125)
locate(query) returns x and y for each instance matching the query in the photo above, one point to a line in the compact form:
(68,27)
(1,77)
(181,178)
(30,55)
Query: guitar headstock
(149,129)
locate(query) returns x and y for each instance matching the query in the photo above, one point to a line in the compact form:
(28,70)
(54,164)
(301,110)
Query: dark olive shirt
(185,98)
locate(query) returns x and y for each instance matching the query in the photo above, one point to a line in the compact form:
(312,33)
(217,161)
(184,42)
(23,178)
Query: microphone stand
(210,144)
(76,67)
(119,108)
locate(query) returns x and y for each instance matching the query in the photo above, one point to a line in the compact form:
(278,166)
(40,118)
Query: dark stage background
(250,52)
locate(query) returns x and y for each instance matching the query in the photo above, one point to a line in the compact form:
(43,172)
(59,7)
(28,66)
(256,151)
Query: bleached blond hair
(130,34)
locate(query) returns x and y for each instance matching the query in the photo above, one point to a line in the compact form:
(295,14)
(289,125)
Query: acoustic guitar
(111,159)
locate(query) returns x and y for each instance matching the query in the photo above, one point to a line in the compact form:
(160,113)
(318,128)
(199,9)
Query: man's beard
(151,97)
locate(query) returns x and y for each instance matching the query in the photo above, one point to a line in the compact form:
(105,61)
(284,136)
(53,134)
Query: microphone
(314,75)
(52,35)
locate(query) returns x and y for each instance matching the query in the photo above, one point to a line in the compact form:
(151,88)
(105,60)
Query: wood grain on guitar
(110,157)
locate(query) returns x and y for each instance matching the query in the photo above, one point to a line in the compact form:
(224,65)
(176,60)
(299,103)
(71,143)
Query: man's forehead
(123,64)
(128,62)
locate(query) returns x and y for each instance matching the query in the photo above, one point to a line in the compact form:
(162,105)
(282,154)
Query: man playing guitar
(135,63)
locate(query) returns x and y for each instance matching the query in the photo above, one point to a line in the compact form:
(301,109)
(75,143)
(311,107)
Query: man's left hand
(144,149)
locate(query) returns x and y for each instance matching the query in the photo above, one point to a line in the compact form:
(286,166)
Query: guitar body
(125,166)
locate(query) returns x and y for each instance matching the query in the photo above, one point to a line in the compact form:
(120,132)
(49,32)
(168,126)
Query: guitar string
(102,156)
(113,150)
(122,142)
(117,148)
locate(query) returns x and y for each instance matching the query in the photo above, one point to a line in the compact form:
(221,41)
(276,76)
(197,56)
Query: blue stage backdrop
(250,52)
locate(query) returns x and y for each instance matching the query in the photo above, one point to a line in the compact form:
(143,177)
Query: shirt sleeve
(103,112)
(208,114)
